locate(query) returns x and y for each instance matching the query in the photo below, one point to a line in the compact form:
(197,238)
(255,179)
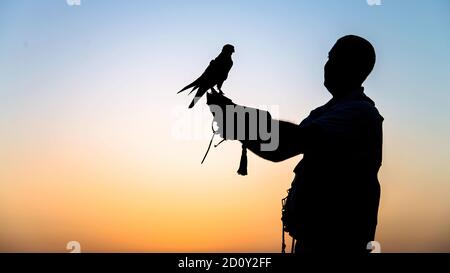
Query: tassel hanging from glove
(243,164)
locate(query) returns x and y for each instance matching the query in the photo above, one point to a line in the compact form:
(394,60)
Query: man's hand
(218,102)
(218,99)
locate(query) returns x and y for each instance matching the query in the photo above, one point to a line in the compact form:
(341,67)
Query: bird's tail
(193,84)
(194,101)
(193,89)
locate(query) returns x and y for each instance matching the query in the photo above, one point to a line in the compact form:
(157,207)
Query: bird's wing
(210,70)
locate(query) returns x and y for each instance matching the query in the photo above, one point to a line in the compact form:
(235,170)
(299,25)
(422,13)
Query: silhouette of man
(333,201)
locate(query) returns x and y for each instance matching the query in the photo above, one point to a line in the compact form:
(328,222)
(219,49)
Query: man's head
(349,63)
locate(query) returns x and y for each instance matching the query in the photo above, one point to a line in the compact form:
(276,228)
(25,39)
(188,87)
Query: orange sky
(128,200)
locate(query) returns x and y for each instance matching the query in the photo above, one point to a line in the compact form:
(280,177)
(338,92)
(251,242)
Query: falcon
(215,75)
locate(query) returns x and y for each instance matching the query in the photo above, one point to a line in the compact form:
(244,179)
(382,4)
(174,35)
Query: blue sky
(286,40)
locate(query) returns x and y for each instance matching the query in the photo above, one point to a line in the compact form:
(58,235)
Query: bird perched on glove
(215,75)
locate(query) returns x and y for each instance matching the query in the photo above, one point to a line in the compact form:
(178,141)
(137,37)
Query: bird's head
(229,49)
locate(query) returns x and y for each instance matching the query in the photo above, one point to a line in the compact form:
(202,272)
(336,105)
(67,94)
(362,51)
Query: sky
(97,147)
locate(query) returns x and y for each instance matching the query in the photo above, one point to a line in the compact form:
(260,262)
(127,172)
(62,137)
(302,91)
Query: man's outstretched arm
(291,138)
(290,143)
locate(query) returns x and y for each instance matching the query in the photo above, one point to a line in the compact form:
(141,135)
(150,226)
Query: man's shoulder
(361,108)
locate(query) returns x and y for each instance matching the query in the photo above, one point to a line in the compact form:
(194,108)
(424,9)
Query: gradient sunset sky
(96,147)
